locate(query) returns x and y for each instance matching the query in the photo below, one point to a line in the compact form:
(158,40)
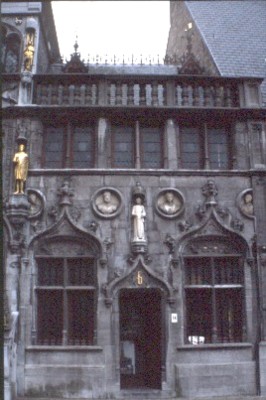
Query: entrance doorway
(140,338)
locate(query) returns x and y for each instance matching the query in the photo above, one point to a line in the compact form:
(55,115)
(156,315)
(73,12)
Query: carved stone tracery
(140,275)
(212,231)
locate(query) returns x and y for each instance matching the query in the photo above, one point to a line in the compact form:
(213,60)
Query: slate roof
(235,33)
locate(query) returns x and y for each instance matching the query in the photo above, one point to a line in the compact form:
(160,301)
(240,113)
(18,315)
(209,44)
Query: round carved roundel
(107,202)
(245,203)
(169,203)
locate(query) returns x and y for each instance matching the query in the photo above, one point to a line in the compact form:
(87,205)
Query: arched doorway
(141,338)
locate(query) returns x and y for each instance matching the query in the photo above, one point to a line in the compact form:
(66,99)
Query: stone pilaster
(170,150)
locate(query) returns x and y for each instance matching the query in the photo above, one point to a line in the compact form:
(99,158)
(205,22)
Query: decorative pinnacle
(76,46)
(210,191)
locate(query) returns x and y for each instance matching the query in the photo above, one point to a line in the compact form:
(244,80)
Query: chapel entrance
(140,338)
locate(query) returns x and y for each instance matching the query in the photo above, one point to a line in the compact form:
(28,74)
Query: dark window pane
(228,271)
(218,148)
(151,148)
(81,271)
(198,271)
(80,317)
(199,315)
(229,315)
(190,147)
(219,300)
(50,317)
(123,147)
(50,272)
(54,147)
(83,147)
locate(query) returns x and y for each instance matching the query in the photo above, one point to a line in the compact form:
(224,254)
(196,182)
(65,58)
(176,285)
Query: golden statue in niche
(21,161)
(29,51)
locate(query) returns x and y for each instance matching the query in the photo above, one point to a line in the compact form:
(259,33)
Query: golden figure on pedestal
(21,161)
(29,52)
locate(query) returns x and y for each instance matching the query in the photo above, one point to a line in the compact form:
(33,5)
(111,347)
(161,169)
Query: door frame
(117,338)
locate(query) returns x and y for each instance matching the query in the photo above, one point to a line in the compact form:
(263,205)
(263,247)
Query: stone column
(17,212)
(104,143)
(170,145)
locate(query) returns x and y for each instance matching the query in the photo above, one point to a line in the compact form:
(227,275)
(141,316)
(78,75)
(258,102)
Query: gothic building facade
(134,211)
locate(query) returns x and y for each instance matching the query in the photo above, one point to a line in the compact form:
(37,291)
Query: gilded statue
(139,214)
(21,161)
(29,53)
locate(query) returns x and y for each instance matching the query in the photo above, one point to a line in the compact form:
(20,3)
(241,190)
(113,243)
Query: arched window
(3,50)
(214,293)
(66,294)
(11,53)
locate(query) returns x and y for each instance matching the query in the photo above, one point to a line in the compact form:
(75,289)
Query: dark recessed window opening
(69,146)
(205,147)
(137,146)
(66,301)
(214,299)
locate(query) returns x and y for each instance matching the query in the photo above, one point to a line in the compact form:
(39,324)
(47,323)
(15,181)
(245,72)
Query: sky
(112,27)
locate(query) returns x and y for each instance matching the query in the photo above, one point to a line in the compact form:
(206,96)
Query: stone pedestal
(139,247)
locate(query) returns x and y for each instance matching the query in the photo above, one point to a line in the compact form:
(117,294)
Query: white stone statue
(139,214)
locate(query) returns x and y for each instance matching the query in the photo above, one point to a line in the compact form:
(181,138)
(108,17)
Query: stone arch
(147,279)
(214,243)
(66,231)
(67,254)
(11,50)
(213,260)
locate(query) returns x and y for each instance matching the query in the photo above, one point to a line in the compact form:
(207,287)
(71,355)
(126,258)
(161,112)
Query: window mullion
(65,306)
(214,307)
(137,145)
(68,146)
(206,147)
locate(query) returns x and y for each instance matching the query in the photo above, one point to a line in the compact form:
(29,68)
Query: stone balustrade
(139,91)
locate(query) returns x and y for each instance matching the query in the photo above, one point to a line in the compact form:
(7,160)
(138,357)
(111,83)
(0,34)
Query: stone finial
(138,191)
(75,65)
(65,192)
(210,191)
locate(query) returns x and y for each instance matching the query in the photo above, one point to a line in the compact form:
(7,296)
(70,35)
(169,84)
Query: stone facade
(135,272)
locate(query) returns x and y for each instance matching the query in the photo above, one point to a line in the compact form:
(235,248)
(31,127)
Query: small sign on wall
(174,318)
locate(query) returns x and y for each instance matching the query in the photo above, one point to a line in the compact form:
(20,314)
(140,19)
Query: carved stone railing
(138,91)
